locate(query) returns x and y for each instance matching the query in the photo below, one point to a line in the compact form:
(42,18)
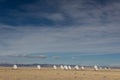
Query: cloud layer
(86,39)
(82,26)
(64,12)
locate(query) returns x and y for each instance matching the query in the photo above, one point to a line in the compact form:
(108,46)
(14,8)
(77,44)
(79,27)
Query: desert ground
(7,73)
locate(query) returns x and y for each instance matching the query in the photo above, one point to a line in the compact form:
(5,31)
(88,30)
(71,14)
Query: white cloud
(88,39)
(91,11)
(55,16)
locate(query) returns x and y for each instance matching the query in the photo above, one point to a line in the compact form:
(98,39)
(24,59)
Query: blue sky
(83,32)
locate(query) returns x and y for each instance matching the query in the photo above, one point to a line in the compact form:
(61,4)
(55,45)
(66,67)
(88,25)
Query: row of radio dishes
(65,67)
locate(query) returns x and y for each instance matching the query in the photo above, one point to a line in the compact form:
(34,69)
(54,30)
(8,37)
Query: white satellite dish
(38,67)
(65,67)
(15,66)
(54,67)
(62,67)
(69,67)
(76,67)
(82,68)
(95,67)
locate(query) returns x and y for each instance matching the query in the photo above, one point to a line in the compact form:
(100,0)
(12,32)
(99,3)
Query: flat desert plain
(51,74)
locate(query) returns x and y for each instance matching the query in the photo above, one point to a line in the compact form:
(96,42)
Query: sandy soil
(50,74)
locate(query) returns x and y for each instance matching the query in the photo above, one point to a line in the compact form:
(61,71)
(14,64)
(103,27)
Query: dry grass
(50,74)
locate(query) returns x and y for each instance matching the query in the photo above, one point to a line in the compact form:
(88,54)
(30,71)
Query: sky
(85,32)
